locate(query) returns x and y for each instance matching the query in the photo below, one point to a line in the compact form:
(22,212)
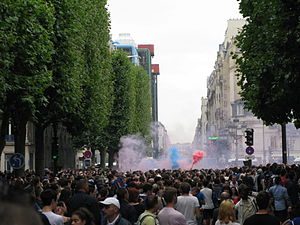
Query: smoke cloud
(136,155)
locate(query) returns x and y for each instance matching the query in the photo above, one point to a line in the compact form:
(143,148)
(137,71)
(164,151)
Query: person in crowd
(282,203)
(82,199)
(136,201)
(16,214)
(147,191)
(188,205)
(148,217)
(295,216)
(292,188)
(262,215)
(246,207)
(208,207)
(126,210)
(49,200)
(234,195)
(168,215)
(111,210)
(82,216)
(234,182)
(260,180)
(226,213)
(224,196)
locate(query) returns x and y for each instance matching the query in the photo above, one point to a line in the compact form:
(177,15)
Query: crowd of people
(241,195)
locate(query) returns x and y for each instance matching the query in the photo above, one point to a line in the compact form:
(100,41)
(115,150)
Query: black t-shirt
(263,219)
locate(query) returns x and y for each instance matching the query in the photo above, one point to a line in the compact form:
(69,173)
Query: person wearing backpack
(148,217)
(247,206)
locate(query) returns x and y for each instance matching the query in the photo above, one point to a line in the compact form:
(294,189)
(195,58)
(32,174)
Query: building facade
(224,119)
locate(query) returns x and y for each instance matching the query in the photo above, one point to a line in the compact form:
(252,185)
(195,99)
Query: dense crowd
(241,195)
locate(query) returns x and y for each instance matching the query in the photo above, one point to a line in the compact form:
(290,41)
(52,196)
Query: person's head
(133,195)
(263,200)
(111,208)
(82,186)
(195,191)
(147,188)
(226,212)
(185,188)
(151,203)
(233,178)
(170,195)
(243,191)
(234,192)
(205,183)
(122,194)
(277,180)
(82,216)
(49,198)
(224,196)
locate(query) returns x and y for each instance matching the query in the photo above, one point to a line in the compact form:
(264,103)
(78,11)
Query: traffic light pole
(54,154)
(284,150)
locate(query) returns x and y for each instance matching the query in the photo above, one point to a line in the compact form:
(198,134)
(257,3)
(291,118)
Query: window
(240,110)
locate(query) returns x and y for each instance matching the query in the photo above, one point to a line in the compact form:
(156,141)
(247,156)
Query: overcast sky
(186,35)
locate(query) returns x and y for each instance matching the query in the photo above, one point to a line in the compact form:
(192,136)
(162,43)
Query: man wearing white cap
(111,210)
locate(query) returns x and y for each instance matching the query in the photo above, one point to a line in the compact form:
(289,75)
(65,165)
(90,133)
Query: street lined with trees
(57,67)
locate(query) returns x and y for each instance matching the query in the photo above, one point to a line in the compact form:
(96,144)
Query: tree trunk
(20,138)
(39,149)
(3,130)
(284,151)
(111,159)
(103,158)
(93,159)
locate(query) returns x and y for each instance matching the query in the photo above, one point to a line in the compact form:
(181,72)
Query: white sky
(186,35)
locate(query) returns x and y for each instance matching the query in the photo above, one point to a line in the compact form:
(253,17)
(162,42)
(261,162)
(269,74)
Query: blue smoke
(174,157)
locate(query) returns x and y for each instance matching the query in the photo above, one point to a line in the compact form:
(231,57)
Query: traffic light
(54,152)
(249,136)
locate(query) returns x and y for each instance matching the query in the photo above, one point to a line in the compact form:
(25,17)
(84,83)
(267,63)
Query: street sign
(87,163)
(249,157)
(213,138)
(88,154)
(249,150)
(17,161)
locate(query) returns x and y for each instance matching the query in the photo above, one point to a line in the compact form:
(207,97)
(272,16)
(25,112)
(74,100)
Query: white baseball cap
(111,201)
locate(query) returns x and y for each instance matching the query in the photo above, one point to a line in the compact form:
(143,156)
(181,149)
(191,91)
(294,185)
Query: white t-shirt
(186,205)
(207,192)
(54,219)
(230,223)
(170,216)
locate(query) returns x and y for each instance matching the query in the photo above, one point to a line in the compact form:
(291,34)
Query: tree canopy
(269,65)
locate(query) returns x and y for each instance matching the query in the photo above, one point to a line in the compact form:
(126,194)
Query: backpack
(140,221)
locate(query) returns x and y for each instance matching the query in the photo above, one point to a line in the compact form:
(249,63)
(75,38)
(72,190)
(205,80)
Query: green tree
(270,63)
(64,94)
(143,101)
(96,79)
(122,118)
(26,31)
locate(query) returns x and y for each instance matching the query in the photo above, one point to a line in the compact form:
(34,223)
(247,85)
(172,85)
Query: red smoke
(197,156)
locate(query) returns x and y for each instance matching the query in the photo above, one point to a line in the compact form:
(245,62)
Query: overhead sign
(17,161)
(88,154)
(249,150)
